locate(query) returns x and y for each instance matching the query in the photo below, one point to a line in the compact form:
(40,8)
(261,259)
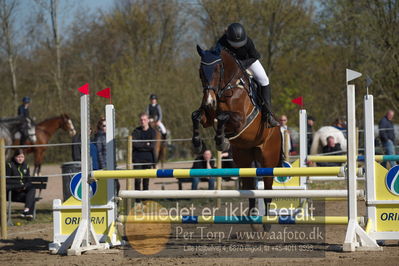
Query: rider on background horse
(155,112)
(23,110)
(236,40)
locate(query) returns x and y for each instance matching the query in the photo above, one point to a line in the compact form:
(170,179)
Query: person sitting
(17,171)
(155,112)
(204,161)
(236,40)
(331,147)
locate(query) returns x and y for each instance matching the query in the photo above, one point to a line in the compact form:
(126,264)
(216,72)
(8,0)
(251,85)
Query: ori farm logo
(76,187)
(283,179)
(392,180)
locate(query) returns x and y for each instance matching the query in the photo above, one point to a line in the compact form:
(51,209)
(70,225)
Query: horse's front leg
(196,117)
(222,143)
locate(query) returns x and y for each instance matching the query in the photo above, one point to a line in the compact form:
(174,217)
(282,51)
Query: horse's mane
(52,118)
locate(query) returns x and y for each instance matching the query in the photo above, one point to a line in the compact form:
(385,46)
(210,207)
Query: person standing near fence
(387,135)
(101,143)
(143,149)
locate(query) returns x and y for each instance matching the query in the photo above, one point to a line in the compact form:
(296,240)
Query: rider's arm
(252,52)
(159,112)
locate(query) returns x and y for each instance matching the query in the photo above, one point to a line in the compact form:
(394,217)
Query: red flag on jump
(105,93)
(298,101)
(84,89)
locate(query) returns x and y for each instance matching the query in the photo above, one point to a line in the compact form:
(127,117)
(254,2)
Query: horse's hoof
(267,227)
(222,144)
(257,227)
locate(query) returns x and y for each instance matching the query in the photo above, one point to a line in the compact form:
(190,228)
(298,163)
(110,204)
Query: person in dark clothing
(77,151)
(143,149)
(387,135)
(310,123)
(154,111)
(23,110)
(204,161)
(236,40)
(331,147)
(101,143)
(21,189)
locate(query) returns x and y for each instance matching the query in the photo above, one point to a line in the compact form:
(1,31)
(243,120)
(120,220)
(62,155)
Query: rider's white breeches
(259,73)
(162,127)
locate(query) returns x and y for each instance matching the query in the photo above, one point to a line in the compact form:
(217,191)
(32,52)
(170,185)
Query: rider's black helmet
(236,35)
(26,99)
(153,96)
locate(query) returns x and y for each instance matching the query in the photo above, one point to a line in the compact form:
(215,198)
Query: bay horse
(160,144)
(44,131)
(228,106)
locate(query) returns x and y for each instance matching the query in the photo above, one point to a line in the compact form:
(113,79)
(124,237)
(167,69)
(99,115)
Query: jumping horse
(44,131)
(228,105)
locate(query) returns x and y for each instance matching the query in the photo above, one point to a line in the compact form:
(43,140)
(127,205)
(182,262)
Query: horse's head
(67,125)
(30,129)
(211,74)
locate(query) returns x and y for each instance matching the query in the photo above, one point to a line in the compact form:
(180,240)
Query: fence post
(286,145)
(3,190)
(129,166)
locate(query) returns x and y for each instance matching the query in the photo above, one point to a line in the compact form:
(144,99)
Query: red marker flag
(84,89)
(298,101)
(105,93)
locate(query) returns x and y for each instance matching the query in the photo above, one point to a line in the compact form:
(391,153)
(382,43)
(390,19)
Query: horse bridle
(217,90)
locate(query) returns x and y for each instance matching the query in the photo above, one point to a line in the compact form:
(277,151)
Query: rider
(23,110)
(155,112)
(236,40)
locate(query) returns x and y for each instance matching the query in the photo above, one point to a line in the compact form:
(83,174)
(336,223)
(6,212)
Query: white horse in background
(320,139)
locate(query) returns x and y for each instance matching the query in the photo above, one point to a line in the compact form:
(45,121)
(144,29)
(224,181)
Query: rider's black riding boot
(267,107)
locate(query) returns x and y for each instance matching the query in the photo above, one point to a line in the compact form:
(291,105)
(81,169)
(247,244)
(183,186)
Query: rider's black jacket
(247,54)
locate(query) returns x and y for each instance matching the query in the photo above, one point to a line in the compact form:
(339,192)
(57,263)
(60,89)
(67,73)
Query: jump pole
(208,194)
(356,237)
(315,220)
(84,237)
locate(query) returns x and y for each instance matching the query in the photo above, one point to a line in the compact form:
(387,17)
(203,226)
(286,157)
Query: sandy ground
(28,244)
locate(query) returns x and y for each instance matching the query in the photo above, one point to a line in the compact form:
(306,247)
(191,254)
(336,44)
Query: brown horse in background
(44,131)
(160,145)
(227,98)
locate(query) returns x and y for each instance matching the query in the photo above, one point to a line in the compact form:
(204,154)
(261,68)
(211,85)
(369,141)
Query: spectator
(101,143)
(143,151)
(387,135)
(310,123)
(206,161)
(340,124)
(284,127)
(76,150)
(155,113)
(21,189)
(329,148)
